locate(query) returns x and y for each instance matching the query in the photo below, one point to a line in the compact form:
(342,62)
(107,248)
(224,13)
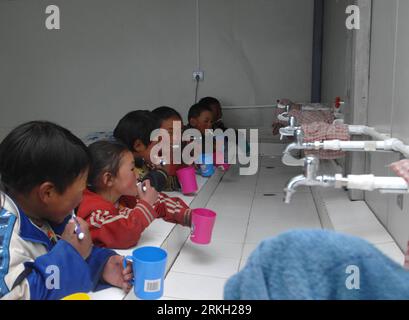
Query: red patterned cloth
(306,117)
(277,124)
(320,131)
(302,117)
(401,169)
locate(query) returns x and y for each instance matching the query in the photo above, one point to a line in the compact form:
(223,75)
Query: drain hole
(270,167)
(270,195)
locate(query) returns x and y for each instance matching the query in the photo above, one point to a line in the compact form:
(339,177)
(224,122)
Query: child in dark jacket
(200,117)
(43,169)
(218,123)
(134,130)
(118,208)
(216,108)
(171,121)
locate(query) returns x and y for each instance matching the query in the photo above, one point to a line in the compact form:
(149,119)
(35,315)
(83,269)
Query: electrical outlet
(399,201)
(199,74)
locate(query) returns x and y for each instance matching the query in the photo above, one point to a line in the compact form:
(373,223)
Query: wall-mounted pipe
(354,182)
(354,130)
(370,182)
(389,145)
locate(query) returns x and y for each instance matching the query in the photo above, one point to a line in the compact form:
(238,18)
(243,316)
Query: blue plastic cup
(149,265)
(206,165)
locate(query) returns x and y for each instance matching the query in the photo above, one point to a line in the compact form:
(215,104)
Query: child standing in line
(116,208)
(43,169)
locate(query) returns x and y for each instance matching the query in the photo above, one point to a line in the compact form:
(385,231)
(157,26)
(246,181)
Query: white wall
(337,53)
(388,93)
(113,56)
(346,55)
(388,103)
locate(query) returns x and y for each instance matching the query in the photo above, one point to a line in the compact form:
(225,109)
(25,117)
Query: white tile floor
(355,218)
(251,209)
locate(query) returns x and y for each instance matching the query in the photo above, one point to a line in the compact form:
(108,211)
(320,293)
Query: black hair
(105,157)
(41,151)
(164,113)
(196,110)
(136,125)
(208,101)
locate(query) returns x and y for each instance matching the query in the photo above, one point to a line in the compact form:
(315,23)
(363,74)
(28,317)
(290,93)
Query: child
(110,206)
(43,169)
(134,130)
(167,117)
(169,120)
(200,117)
(216,108)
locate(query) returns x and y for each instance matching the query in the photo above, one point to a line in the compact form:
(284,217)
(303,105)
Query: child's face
(203,122)
(217,111)
(60,205)
(143,151)
(168,125)
(124,183)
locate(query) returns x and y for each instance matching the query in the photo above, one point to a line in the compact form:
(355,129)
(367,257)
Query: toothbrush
(143,187)
(77,229)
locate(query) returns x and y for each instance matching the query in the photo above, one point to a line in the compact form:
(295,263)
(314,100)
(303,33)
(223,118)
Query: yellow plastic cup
(77,296)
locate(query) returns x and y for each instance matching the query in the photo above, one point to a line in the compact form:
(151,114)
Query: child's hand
(150,195)
(116,275)
(84,246)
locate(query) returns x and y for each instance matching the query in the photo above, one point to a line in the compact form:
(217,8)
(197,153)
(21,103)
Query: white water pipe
(366,146)
(370,183)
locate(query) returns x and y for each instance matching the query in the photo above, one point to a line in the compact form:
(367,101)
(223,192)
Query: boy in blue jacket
(43,172)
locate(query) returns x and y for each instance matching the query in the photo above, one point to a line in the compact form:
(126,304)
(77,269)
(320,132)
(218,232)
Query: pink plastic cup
(202,225)
(187,180)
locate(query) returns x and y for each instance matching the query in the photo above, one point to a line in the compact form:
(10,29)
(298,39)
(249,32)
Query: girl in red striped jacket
(115,207)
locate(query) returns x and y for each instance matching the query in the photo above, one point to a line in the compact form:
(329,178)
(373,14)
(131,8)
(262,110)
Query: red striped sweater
(120,226)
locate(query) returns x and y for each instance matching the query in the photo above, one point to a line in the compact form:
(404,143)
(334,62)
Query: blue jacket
(33,267)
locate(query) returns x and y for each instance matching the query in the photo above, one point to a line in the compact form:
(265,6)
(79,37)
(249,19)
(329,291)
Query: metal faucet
(309,178)
(292,122)
(299,136)
(290,129)
(299,144)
